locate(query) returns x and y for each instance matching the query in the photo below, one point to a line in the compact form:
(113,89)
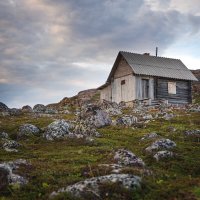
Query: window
(123,82)
(172,87)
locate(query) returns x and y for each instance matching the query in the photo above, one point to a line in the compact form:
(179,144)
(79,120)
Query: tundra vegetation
(160,146)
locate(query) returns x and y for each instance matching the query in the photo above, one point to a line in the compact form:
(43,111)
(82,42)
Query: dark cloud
(59,47)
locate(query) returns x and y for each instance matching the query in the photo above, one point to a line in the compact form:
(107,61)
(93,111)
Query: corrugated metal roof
(158,66)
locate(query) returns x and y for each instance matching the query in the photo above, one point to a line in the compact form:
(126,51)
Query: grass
(60,163)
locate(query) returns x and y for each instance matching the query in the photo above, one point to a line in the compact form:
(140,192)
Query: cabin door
(123,90)
(145,88)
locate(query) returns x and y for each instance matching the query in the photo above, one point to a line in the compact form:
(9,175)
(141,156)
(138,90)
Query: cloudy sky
(50,49)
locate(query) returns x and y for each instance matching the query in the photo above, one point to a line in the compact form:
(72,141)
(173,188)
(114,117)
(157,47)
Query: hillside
(99,151)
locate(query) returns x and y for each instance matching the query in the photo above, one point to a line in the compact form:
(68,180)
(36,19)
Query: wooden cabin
(144,77)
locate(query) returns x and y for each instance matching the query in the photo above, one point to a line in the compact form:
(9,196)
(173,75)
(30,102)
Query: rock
(3,178)
(149,136)
(91,186)
(3,107)
(171,129)
(85,130)
(58,129)
(39,108)
(15,112)
(28,130)
(147,117)
(100,119)
(127,158)
(126,120)
(11,177)
(111,107)
(163,154)
(51,111)
(192,132)
(168,116)
(10,145)
(27,109)
(161,144)
(3,135)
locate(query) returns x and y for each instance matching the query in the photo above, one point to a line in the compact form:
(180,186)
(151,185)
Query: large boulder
(126,120)
(91,186)
(27,109)
(15,112)
(3,107)
(28,130)
(127,158)
(39,108)
(95,116)
(161,144)
(100,119)
(58,129)
(85,130)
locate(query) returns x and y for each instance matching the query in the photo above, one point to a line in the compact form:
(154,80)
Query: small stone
(127,158)
(10,145)
(4,135)
(163,154)
(161,144)
(150,136)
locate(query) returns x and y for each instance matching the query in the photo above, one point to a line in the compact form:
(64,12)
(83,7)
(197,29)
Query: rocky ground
(83,149)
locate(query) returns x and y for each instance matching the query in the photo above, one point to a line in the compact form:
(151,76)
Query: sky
(50,49)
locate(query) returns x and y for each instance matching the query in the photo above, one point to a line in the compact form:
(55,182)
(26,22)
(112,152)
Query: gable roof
(154,66)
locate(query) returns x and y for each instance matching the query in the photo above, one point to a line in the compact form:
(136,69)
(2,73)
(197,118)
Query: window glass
(172,87)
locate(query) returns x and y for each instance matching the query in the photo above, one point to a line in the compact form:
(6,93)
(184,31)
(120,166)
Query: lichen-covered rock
(91,186)
(10,145)
(168,116)
(3,135)
(149,136)
(192,132)
(147,117)
(15,112)
(126,120)
(100,119)
(27,109)
(39,108)
(163,154)
(127,158)
(58,129)
(8,167)
(111,107)
(3,107)
(161,144)
(28,130)
(51,111)
(85,130)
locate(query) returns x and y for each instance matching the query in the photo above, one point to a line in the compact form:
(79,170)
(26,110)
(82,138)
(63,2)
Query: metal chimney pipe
(156,51)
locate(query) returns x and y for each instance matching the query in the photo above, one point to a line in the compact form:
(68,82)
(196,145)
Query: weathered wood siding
(183,90)
(125,92)
(139,89)
(123,69)
(105,93)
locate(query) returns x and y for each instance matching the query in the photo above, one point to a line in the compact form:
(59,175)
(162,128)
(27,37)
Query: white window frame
(171,87)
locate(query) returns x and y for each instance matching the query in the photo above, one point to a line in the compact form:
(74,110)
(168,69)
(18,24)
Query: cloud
(60,47)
